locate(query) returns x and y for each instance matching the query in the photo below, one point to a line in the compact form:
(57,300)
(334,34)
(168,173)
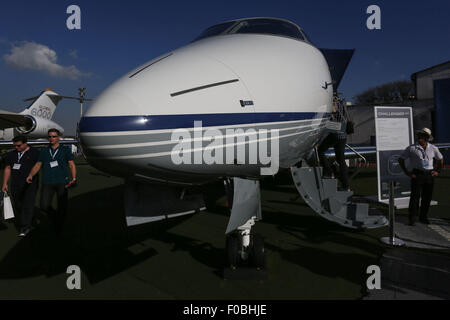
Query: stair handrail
(360,156)
(357,153)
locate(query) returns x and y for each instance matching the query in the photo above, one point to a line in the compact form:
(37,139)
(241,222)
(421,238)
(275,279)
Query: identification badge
(53,164)
(424,164)
(16,166)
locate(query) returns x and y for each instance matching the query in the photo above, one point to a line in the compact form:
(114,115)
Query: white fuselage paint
(283,77)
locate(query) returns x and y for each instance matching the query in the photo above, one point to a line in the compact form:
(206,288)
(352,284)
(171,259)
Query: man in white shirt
(422,170)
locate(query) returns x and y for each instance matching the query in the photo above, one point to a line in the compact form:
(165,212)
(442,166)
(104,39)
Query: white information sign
(394,132)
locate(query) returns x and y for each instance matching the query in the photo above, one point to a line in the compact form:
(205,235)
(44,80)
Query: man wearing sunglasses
(55,160)
(18,165)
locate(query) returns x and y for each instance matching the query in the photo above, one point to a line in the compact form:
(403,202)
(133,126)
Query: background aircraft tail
(44,105)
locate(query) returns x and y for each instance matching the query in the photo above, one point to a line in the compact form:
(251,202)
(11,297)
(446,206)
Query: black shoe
(25,231)
(424,220)
(411,223)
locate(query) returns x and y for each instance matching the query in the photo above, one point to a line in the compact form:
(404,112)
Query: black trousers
(23,199)
(58,216)
(332,140)
(421,191)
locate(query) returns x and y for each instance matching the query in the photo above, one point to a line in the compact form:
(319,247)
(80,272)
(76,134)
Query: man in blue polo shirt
(55,161)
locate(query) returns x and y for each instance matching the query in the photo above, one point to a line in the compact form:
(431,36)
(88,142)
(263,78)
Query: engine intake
(29,126)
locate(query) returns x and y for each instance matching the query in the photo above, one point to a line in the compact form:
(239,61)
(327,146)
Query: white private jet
(205,111)
(33,122)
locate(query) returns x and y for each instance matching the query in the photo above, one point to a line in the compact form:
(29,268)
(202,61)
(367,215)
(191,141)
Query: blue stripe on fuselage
(173,121)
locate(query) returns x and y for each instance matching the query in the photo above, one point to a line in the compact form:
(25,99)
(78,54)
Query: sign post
(392,240)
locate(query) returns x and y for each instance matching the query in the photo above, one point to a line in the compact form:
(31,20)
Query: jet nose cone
(113,107)
(114,101)
(105,113)
(112,114)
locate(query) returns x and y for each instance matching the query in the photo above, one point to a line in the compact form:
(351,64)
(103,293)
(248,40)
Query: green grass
(307,257)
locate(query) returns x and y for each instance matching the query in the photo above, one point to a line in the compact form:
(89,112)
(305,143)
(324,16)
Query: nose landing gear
(246,256)
(245,249)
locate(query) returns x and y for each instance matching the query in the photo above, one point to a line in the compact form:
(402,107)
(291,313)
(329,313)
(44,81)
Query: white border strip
(166,153)
(157,143)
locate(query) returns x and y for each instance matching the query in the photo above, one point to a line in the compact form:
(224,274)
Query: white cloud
(35,56)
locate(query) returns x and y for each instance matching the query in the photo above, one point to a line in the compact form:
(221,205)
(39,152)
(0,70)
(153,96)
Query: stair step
(329,187)
(343,196)
(336,207)
(357,211)
(324,198)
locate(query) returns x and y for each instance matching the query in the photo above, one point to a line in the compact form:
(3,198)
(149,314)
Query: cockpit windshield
(268,26)
(215,30)
(255,26)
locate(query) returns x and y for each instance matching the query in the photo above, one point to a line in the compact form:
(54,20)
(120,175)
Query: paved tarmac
(435,235)
(307,257)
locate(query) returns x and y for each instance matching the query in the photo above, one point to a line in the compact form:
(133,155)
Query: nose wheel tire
(257,253)
(233,251)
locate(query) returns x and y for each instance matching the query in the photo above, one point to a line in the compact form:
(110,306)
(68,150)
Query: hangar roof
(414,75)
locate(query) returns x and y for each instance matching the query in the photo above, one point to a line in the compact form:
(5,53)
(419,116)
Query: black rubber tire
(258,253)
(233,248)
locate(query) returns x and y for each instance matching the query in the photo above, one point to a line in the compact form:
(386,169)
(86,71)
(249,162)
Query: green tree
(391,92)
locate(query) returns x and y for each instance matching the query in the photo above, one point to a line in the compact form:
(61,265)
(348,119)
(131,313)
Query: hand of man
(434,173)
(71,183)
(30,179)
(5,188)
(412,175)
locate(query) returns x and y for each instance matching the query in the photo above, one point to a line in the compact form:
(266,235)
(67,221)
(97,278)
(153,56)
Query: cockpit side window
(268,26)
(307,38)
(215,30)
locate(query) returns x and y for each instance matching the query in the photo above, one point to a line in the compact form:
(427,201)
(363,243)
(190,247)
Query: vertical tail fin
(44,105)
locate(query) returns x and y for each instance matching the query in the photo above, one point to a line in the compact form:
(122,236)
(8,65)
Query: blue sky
(117,36)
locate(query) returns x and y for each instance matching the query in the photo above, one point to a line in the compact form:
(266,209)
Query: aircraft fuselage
(224,92)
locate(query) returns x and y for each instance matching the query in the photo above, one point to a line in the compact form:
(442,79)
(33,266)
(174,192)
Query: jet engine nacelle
(37,127)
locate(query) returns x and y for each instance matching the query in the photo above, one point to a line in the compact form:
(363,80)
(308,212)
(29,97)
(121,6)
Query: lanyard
(424,153)
(20,155)
(53,155)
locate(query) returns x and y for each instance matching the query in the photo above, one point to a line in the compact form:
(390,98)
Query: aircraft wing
(352,152)
(8,143)
(12,120)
